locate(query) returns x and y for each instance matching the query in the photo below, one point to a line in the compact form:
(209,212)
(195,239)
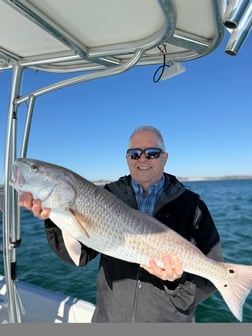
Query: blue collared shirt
(147,204)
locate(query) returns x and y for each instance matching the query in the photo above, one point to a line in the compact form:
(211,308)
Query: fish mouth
(18,179)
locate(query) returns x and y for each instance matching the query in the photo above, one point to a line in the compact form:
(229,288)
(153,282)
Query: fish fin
(73,247)
(69,220)
(237,287)
(81,220)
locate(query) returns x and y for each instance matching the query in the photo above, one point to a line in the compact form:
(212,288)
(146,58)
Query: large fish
(91,215)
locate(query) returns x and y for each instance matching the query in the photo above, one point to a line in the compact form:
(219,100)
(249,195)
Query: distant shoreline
(217,178)
(192,179)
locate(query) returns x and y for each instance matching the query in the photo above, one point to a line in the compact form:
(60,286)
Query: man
(128,292)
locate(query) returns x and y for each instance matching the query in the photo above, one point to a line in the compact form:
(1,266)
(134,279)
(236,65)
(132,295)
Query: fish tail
(236,287)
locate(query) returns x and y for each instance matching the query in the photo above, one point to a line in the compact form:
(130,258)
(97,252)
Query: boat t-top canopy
(63,36)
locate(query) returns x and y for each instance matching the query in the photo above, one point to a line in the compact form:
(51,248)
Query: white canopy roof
(63,35)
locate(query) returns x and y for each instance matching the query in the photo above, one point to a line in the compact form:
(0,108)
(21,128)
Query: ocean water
(230,203)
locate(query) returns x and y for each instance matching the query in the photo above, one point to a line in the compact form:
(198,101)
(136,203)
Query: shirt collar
(157,187)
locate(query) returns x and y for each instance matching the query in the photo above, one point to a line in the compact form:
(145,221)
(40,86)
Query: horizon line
(206,178)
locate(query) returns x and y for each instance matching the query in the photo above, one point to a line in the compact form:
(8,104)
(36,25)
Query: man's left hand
(172,268)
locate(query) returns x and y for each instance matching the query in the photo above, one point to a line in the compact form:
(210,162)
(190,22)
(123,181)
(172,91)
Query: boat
(91,40)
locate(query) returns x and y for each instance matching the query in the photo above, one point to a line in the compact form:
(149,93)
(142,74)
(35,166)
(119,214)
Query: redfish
(93,216)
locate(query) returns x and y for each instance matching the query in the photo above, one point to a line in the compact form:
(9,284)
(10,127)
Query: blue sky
(204,114)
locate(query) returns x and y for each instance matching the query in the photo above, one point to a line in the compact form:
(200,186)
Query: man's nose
(142,157)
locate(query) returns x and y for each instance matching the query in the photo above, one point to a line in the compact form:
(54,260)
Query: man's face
(146,171)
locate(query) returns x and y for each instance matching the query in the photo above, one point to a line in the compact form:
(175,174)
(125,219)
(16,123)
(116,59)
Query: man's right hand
(26,200)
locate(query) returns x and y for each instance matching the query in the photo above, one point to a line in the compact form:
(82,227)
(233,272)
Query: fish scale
(91,215)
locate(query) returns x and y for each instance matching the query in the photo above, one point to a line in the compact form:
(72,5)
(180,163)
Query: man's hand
(26,200)
(172,268)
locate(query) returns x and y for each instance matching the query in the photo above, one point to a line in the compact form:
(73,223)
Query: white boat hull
(42,305)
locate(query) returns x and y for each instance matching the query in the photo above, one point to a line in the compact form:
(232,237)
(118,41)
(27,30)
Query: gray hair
(149,129)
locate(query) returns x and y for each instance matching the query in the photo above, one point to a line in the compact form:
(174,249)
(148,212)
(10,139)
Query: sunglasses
(150,153)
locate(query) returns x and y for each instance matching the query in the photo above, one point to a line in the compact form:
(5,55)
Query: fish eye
(34,168)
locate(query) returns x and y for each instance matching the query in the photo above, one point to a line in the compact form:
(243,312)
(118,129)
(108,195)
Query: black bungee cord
(160,70)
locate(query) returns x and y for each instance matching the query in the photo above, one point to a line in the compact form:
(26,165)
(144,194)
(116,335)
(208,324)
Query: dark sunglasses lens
(153,153)
(134,154)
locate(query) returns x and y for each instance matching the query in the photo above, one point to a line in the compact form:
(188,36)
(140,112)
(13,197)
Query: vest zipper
(137,287)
